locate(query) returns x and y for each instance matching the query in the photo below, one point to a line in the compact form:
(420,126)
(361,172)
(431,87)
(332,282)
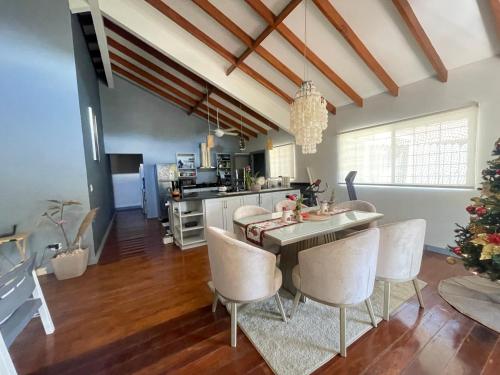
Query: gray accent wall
(98,172)
(41,146)
(139,122)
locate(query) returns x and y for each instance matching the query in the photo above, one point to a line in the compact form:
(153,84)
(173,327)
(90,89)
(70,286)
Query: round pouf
(474,296)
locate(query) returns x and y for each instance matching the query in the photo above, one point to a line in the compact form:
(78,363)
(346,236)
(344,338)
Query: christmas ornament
(471,209)
(480,211)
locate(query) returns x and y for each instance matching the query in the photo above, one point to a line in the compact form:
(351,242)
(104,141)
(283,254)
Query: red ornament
(497,172)
(471,209)
(494,238)
(457,250)
(480,211)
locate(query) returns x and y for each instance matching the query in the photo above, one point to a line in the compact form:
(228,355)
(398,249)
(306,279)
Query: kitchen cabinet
(251,200)
(266,201)
(219,212)
(214,213)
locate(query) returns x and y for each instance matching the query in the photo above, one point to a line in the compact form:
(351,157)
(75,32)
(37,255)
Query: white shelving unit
(188,212)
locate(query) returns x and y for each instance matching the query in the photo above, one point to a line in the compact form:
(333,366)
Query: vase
(71,264)
(255,187)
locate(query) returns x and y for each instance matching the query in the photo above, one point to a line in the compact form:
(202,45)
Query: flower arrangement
(299,203)
(478,243)
(251,179)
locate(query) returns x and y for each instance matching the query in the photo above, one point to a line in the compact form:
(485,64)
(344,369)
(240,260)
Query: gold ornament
(451,260)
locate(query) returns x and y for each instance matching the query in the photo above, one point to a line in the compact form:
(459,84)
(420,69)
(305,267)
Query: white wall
(442,208)
(127,190)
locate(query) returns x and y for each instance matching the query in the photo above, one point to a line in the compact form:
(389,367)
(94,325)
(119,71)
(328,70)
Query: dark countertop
(214,194)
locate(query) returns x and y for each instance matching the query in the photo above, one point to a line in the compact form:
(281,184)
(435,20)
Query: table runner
(254,232)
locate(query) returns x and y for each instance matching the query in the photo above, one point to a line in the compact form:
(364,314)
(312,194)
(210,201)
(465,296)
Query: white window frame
(294,161)
(469,112)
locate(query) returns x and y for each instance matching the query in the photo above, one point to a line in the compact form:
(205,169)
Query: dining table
(296,237)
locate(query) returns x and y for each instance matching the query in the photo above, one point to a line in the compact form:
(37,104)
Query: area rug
(474,296)
(311,338)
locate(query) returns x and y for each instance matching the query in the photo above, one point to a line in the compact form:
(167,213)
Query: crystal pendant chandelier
(308,114)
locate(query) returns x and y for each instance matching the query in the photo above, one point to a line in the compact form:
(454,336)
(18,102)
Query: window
(282,161)
(433,150)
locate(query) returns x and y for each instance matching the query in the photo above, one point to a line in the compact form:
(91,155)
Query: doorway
(128,181)
(258,163)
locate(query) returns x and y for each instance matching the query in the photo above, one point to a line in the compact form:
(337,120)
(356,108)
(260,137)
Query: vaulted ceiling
(249,55)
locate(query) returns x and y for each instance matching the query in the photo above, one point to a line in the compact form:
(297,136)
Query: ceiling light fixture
(243,145)
(210,137)
(308,114)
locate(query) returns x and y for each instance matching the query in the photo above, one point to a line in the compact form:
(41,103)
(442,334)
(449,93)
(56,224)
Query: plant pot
(255,187)
(70,265)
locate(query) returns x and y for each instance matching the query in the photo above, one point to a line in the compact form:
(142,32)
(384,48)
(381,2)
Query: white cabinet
(231,204)
(266,201)
(214,213)
(219,212)
(251,200)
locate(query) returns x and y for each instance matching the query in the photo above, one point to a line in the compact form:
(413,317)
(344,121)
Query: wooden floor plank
(145,309)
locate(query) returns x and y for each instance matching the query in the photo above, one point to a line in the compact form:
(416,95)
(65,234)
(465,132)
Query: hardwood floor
(145,309)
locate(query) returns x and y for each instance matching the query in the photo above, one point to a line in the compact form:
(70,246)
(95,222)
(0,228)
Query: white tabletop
(310,229)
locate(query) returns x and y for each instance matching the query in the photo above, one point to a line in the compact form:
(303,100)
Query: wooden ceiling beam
(234,29)
(178,102)
(151,78)
(179,68)
(495,8)
(411,20)
(350,36)
(264,34)
(199,102)
(260,8)
(143,61)
(208,41)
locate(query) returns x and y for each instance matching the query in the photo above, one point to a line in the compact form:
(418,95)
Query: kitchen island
(192,213)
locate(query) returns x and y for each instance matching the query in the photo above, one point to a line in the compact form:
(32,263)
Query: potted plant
(251,180)
(70,261)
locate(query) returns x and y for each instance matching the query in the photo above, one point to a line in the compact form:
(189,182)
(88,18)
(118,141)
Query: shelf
(193,239)
(197,213)
(206,168)
(186,169)
(198,227)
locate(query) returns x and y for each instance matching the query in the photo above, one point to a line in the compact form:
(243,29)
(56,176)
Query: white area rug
(474,296)
(311,338)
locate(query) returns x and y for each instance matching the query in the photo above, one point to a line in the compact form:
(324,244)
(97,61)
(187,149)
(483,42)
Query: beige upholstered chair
(356,205)
(241,273)
(340,273)
(400,256)
(246,211)
(289,204)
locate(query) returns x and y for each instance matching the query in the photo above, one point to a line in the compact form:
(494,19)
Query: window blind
(282,161)
(436,150)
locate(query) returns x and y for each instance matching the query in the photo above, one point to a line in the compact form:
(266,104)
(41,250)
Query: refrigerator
(166,180)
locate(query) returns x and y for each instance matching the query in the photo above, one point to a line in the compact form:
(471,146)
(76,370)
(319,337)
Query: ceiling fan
(219,133)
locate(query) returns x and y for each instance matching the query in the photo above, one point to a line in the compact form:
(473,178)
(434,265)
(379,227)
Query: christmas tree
(478,243)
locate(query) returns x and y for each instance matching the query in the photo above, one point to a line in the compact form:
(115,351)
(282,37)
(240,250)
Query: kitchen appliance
(166,183)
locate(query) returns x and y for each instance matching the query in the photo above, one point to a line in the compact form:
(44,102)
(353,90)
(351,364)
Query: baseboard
(95,258)
(436,249)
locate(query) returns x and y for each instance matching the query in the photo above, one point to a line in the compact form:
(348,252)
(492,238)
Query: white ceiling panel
(207,24)
(241,15)
(466,37)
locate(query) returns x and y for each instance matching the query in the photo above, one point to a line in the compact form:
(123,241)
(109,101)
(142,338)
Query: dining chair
(339,274)
(400,256)
(241,273)
(355,205)
(20,299)
(247,211)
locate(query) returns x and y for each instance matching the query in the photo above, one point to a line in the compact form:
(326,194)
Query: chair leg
(369,307)
(44,312)
(343,350)
(295,304)
(387,299)
(214,303)
(419,293)
(280,306)
(234,323)
(6,364)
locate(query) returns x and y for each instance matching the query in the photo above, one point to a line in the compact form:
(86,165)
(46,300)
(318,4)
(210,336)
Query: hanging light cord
(305,40)
(208,110)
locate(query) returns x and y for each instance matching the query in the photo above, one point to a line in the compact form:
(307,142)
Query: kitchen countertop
(215,194)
